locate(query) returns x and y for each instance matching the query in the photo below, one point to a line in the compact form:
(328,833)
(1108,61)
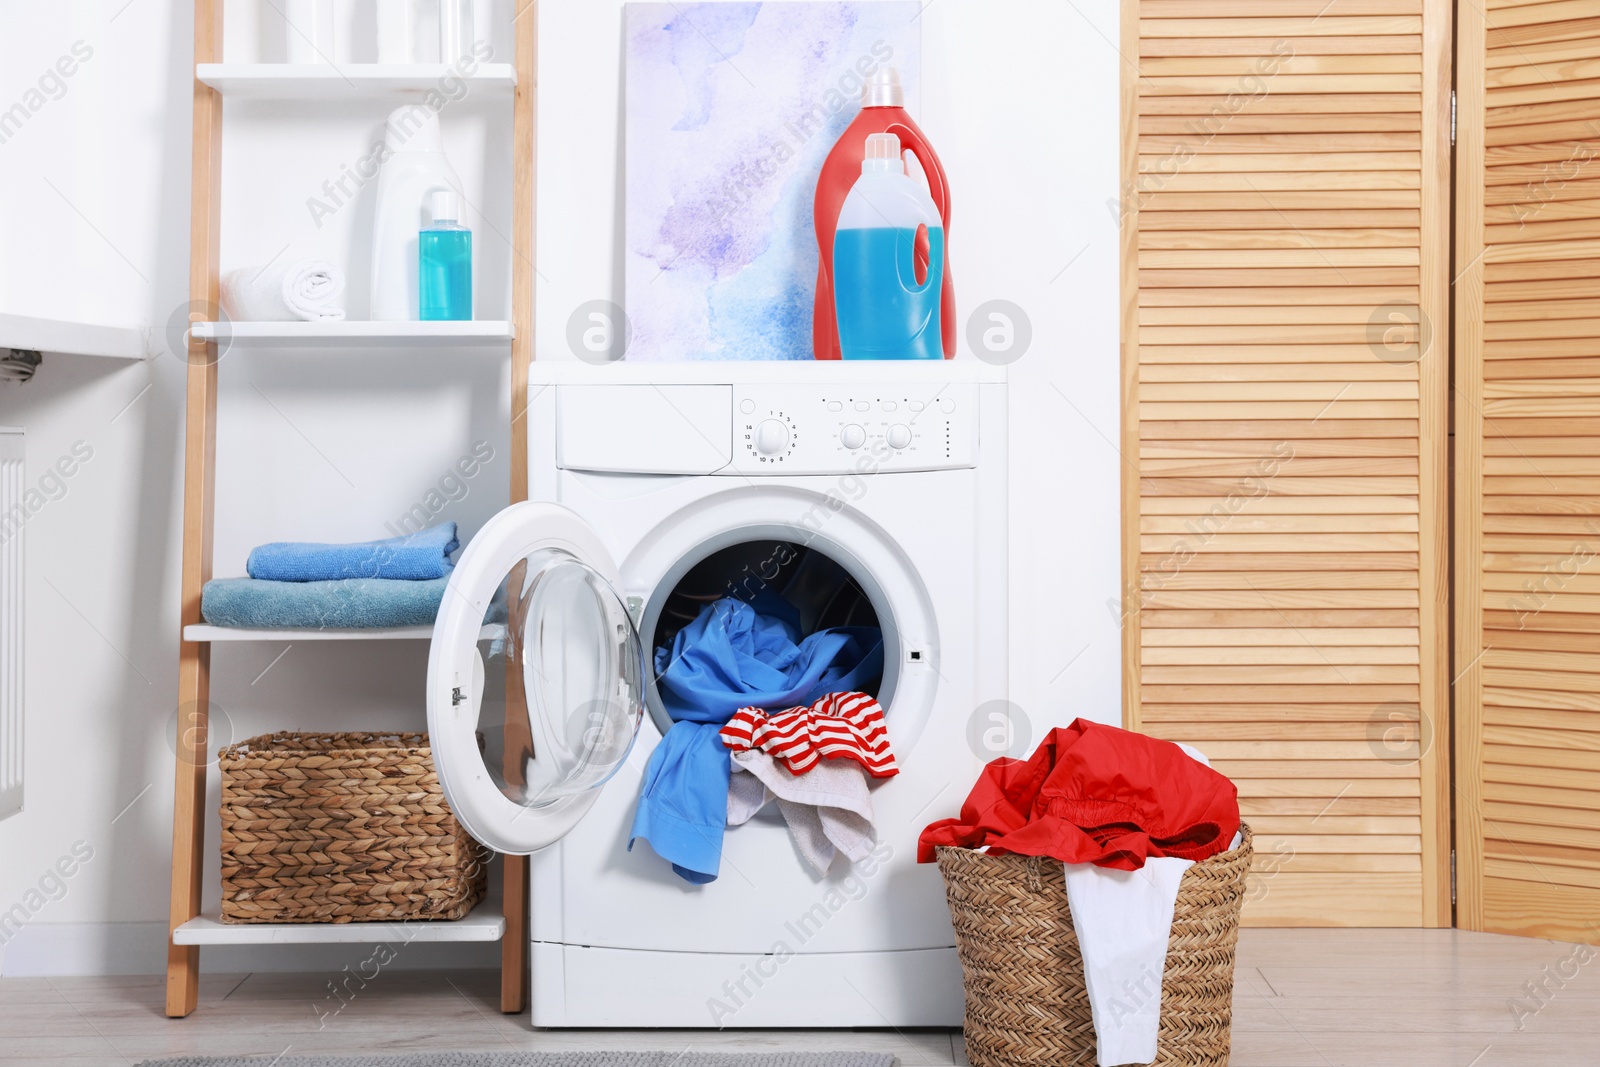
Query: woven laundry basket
(1026,1004)
(337,828)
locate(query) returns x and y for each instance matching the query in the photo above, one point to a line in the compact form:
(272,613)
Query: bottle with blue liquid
(444,262)
(887,307)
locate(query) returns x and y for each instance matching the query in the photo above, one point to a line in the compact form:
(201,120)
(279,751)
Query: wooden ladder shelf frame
(199,485)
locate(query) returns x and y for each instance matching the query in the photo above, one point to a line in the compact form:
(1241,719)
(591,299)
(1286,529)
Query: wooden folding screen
(1528,469)
(1285,222)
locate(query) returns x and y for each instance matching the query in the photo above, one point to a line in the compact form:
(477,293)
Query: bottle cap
(883,89)
(883,154)
(444,205)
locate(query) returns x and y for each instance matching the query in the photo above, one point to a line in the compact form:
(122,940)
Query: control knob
(899,437)
(852,437)
(772,437)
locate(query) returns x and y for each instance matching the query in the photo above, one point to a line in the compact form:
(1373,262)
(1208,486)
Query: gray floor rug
(552,1059)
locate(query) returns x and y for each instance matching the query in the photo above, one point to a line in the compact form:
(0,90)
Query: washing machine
(879,492)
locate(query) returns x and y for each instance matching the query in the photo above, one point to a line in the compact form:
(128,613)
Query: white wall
(1020,98)
(89,189)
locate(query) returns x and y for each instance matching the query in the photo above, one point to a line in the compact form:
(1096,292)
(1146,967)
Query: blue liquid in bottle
(884,312)
(444,274)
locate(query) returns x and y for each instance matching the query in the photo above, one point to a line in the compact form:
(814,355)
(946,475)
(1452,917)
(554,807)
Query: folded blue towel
(352,604)
(418,557)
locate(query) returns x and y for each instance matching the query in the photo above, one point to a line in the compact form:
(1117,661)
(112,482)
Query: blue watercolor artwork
(731,110)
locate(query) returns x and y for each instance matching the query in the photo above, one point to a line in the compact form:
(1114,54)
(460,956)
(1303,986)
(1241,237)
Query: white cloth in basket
(1123,920)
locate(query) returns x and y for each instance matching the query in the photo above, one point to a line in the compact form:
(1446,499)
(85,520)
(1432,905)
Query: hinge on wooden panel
(1452,116)
(1452,876)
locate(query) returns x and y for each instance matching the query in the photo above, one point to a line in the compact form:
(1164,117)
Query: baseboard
(584,987)
(51,949)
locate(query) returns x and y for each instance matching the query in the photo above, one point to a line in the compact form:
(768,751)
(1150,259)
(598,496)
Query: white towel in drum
(828,809)
(305,290)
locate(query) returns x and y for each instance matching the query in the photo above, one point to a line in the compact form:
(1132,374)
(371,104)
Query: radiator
(12,519)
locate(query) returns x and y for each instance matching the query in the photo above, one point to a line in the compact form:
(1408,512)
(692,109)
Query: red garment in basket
(839,726)
(1095,794)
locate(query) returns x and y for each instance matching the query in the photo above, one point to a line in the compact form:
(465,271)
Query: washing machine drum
(536,678)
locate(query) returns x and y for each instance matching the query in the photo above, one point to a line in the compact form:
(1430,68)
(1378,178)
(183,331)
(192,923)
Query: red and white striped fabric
(839,726)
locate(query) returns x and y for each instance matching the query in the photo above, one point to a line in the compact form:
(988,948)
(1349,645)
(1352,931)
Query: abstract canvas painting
(731,110)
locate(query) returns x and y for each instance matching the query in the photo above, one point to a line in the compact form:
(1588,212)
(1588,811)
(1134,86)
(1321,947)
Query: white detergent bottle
(414,166)
(887,307)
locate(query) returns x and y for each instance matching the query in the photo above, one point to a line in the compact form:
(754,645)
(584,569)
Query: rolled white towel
(305,290)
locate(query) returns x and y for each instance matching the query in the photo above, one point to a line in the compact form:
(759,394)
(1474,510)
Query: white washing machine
(656,489)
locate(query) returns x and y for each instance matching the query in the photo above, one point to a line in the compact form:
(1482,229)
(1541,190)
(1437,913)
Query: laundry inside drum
(807,586)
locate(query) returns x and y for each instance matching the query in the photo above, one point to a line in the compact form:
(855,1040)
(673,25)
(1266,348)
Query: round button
(947,406)
(852,437)
(862,405)
(915,405)
(748,407)
(772,437)
(899,436)
(890,405)
(834,405)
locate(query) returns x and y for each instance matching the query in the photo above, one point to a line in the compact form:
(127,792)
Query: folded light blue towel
(417,557)
(351,604)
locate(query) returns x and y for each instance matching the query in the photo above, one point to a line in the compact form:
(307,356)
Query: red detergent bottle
(883,110)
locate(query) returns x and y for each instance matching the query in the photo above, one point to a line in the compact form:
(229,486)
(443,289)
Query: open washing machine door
(536,678)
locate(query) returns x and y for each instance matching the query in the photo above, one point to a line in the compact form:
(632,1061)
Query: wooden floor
(1303,998)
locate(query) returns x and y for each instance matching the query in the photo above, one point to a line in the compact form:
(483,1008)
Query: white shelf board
(349,81)
(204,632)
(74,338)
(484,923)
(349,334)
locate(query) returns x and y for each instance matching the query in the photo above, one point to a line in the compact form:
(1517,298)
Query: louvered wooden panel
(1528,469)
(1285,210)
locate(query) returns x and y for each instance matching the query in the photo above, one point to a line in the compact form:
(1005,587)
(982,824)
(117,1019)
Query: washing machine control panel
(854,429)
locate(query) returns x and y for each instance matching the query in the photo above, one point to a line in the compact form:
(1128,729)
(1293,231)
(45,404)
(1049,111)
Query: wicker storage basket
(1026,1003)
(337,828)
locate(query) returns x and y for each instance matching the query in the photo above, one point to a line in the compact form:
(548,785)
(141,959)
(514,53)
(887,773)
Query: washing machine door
(535,679)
